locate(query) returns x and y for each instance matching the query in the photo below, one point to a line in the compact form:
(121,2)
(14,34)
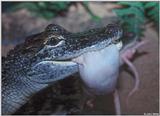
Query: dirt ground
(15,26)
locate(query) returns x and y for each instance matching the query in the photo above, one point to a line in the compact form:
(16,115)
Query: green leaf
(27,5)
(53,7)
(30,6)
(58,6)
(121,12)
(95,18)
(132,4)
(138,14)
(85,3)
(48,15)
(150,4)
(132,16)
(42,5)
(130,12)
(62,5)
(154,11)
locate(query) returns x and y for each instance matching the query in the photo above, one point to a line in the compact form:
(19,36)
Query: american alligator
(49,56)
(46,57)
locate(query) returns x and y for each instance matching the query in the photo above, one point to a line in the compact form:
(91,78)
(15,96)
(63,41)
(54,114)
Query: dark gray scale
(57,30)
(91,37)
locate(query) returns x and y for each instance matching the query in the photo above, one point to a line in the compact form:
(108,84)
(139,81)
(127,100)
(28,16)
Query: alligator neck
(16,87)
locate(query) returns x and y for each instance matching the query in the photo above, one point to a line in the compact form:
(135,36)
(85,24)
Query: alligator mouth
(118,44)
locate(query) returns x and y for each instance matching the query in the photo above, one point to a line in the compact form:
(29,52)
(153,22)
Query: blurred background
(21,19)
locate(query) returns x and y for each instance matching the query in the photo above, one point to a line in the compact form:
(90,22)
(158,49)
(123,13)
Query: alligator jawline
(119,46)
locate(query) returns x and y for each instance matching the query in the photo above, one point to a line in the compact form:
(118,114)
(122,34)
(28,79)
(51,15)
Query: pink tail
(137,81)
(133,69)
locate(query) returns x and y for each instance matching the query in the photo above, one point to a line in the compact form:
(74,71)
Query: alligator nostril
(113,29)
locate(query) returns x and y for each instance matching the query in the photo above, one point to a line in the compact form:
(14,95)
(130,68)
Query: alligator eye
(55,42)
(52,41)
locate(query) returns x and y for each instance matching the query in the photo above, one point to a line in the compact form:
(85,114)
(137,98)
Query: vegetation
(46,10)
(134,15)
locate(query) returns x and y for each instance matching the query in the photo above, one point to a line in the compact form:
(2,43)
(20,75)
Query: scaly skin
(45,58)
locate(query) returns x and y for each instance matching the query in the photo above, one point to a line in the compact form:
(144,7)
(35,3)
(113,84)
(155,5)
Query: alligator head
(61,46)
